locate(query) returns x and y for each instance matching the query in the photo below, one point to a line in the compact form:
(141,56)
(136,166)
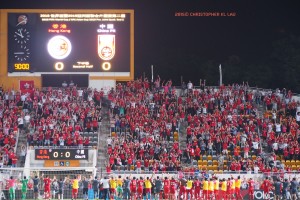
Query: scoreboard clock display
(61,154)
(91,42)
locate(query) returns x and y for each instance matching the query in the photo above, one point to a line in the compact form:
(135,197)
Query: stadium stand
(227,129)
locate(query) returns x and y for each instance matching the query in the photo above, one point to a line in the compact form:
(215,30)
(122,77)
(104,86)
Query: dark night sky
(159,34)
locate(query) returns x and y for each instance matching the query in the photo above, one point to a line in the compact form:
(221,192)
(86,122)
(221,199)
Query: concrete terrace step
(104,133)
(182,135)
(22,140)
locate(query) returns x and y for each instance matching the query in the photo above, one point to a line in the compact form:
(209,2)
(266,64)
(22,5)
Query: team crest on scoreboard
(106,46)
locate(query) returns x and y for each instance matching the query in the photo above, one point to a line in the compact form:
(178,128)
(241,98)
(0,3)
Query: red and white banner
(26,85)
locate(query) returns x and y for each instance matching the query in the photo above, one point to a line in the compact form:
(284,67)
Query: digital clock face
(65,154)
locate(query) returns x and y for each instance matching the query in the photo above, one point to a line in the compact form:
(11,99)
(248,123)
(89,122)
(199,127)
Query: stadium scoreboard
(70,41)
(61,154)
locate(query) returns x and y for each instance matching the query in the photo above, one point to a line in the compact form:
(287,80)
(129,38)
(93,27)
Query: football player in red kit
(197,188)
(140,188)
(173,187)
(133,188)
(166,187)
(251,189)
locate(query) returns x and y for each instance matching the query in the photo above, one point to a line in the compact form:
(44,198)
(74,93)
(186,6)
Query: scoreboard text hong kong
(73,41)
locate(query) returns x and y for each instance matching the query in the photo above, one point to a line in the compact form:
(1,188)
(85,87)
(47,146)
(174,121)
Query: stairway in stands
(261,111)
(182,141)
(104,134)
(182,138)
(22,141)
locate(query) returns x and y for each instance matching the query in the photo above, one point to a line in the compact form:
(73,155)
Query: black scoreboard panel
(73,42)
(59,154)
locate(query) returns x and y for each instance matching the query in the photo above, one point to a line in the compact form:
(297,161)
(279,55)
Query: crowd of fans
(145,122)
(58,117)
(281,131)
(50,117)
(10,121)
(224,123)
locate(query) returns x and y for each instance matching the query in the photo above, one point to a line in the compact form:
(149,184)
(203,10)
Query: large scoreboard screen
(71,41)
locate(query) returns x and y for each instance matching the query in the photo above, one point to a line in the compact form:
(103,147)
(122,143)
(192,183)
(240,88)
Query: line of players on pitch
(165,188)
(149,188)
(173,188)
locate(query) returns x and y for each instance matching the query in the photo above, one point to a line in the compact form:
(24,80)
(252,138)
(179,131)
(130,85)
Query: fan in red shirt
(88,125)
(188,133)
(129,162)
(78,127)
(14,161)
(86,141)
(69,141)
(95,124)
(146,163)
(80,141)
(225,146)
(138,166)
(238,166)
(286,154)
(108,168)
(246,151)
(70,128)
(233,166)
(141,152)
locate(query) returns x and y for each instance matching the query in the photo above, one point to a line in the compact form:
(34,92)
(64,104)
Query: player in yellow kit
(223,194)
(113,187)
(189,188)
(205,189)
(75,187)
(211,188)
(238,183)
(119,187)
(148,186)
(232,187)
(216,187)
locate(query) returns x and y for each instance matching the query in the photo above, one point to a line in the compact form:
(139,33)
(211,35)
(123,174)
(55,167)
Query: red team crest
(106,46)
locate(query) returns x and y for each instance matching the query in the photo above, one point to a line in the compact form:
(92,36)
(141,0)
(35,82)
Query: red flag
(26,85)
